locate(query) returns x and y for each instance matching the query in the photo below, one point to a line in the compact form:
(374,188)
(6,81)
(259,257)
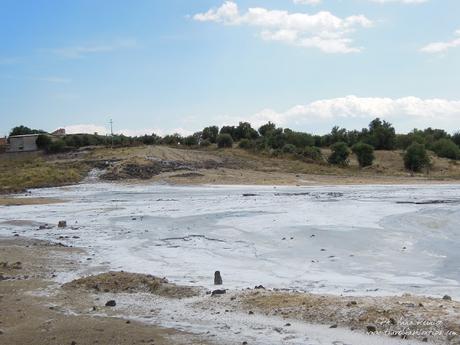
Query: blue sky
(178,65)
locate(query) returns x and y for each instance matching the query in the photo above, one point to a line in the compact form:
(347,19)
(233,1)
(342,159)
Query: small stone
(371,329)
(218,292)
(287,325)
(62,224)
(425,340)
(333,326)
(251,312)
(73,343)
(111,303)
(447,298)
(245,343)
(128,321)
(217,278)
(259,287)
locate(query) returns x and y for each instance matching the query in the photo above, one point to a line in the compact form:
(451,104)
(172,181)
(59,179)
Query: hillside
(207,166)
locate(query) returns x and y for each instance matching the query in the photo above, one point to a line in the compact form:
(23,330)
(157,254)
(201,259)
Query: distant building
(3,144)
(23,143)
(59,132)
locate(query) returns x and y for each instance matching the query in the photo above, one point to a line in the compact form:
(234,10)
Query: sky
(169,66)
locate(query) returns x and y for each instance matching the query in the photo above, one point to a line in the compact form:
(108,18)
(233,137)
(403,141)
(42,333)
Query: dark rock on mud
(217,278)
(111,303)
(218,292)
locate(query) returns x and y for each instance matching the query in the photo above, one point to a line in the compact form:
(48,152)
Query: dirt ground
(31,314)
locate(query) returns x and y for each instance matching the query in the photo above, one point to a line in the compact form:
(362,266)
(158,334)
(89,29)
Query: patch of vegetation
(20,173)
(339,155)
(224,140)
(446,148)
(365,154)
(416,158)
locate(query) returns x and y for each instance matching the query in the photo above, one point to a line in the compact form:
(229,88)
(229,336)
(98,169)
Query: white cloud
(442,47)
(307,2)
(413,110)
(400,1)
(322,30)
(81,51)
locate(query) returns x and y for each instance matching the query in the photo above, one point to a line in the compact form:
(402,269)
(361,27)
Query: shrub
(210,133)
(365,154)
(340,153)
(191,140)
(245,144)
(313,153)
(57,146)
(224,140)
(43,142)
(289,148)
(205,143)
(416,157)
(446,148)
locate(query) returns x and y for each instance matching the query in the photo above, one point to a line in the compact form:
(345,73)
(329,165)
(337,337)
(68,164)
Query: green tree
(416,157)
(381,135)
(266,129)
(23,130)
(224,140)
(312,153)
(210,133)
(446,148)
(43,142)
(365,153)
(339,155)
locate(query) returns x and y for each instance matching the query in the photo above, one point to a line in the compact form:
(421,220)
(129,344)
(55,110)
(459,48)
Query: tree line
(278,141)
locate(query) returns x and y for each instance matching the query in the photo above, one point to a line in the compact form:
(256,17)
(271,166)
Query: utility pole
(111,132)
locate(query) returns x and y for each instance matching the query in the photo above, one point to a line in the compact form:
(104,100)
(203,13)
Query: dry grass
(20,172)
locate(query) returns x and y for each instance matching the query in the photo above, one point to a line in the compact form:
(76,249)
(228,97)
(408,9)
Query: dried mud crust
(414,317)
(125,282)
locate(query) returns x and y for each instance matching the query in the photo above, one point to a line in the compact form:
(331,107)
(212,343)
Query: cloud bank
(323,30)
(442,47)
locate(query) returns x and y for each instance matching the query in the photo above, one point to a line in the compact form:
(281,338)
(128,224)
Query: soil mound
(116,282)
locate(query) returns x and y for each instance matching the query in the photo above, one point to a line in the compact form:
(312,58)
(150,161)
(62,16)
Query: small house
(23,143)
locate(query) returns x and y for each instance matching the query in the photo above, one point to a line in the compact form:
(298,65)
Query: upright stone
(217,278)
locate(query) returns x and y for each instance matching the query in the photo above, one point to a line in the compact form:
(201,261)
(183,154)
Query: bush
(446,148)
(340,153)
(313,153)
(224,140)
(43,142)
(191,140)
(289,148)
(205,143)
(365,154)
(246,144)
(57,146)
(416,157)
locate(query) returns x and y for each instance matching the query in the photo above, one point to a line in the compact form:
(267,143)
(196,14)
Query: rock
(447,298)
(245,343)
(218,292)
(62,224)
(251,312)
(287,325)
(217,278)
(425,340)
(371,329)
(259,287)
(111,303)
(73,343)
(278,329)
(333,326)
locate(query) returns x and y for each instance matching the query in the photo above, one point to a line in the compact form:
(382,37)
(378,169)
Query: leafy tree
(446,148)
(289,148)
(172,139)
(190,140)
(416,157)
(267,129)
(246,144)
(43,141)
(365,154)
(210,133)
(456,138)
(57,146)
(245,131)
(23,130)
(298,139)
(230,130)
(205,143)
(224,140)
(313,153)
(340,153)
(381,135)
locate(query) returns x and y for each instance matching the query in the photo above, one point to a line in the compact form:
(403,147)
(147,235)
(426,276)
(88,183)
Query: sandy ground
(34,310)
(19,201)
(32,314)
